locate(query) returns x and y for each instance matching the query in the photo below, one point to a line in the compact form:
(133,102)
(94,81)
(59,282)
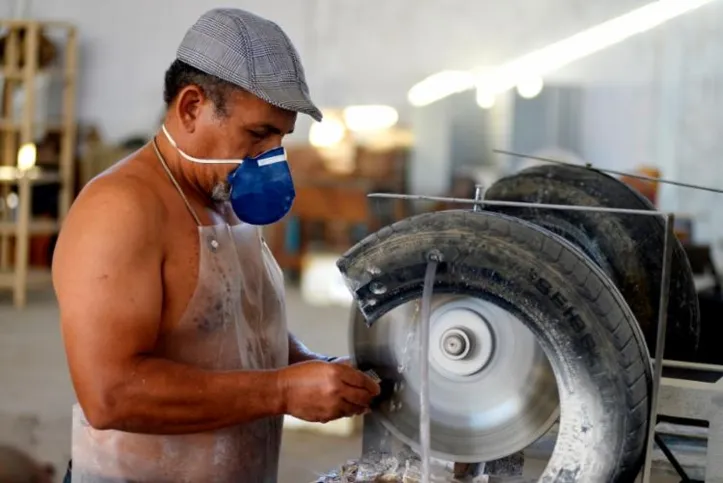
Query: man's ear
(188,107)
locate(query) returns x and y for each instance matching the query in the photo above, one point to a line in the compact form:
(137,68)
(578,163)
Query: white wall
(655,98)
(672,119)
(696,100)
(619,126)
(355,51)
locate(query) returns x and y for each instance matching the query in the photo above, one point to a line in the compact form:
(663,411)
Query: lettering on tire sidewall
(570,316)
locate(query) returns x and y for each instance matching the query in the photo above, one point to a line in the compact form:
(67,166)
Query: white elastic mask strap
(197,160)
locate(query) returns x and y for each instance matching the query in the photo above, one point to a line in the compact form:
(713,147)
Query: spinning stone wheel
(528,323)
(492,388)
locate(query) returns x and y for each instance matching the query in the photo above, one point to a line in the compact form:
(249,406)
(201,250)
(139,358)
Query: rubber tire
(588,332)
(628,247)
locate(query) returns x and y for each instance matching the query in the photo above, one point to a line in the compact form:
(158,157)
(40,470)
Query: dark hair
(180,75)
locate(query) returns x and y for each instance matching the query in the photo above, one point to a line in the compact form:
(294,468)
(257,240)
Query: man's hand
(346,360)
(321,392)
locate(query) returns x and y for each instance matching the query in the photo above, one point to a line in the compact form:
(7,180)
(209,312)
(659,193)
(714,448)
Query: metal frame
(702,401)
(708,397)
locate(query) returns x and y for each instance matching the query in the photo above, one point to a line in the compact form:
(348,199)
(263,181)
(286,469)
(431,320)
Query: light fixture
(27,155)
(557,55)
(439,86)
(530,87)
(327,133)
(485,99)
(370,118)
(12,201)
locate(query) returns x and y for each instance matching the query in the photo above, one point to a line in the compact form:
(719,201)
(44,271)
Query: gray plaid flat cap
(252,53)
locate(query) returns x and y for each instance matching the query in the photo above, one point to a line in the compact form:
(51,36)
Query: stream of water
(424,425)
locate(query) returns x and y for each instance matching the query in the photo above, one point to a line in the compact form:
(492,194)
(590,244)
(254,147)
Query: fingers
(349,409)
(319,391)
(353,377)
(358,397)
(341,409)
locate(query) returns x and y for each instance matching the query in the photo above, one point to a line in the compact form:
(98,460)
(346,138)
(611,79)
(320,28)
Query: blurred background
(416,94)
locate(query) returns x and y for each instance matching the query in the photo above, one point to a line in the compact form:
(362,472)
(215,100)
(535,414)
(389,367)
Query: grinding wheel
(628,247)
(492,390)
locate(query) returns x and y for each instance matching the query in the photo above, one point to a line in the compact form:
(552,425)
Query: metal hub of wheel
(492,390)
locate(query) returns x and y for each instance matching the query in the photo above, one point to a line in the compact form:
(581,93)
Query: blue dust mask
(262,188)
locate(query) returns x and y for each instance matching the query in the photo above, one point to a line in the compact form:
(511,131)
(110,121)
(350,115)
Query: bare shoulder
(113,223)
(122,194)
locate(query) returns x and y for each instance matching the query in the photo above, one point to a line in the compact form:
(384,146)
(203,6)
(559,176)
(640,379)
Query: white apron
(235,320)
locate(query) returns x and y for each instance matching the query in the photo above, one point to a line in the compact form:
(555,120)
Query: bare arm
(107,277)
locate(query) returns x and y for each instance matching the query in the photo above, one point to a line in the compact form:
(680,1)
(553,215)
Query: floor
(36,395)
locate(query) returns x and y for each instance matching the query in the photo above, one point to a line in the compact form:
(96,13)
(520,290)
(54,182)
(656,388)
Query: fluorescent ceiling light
(485,100)
(530,87)
(557,55)
(441,85)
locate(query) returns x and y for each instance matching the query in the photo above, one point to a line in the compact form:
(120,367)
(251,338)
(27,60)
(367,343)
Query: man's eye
(257,135)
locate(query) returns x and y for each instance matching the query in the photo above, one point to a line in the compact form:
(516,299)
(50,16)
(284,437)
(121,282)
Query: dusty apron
(235,320)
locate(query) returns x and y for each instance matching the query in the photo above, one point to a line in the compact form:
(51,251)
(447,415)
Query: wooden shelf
(19,74)
(37,277)
(23,50)
(24,23)
(12,175)
(35,227)
(9,125)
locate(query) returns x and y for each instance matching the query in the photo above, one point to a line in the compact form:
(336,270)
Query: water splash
(408,349)
(424,424)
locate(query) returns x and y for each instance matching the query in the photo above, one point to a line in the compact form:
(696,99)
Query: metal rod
(659,342)
(519,204)
(693,366)
(425,437)
(672,459)
(611,171)
(478,195)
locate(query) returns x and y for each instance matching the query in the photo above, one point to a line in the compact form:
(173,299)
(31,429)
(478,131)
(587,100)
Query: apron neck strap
(175,183)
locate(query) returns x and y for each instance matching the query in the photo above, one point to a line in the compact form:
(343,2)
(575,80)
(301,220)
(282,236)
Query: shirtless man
(172,307)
